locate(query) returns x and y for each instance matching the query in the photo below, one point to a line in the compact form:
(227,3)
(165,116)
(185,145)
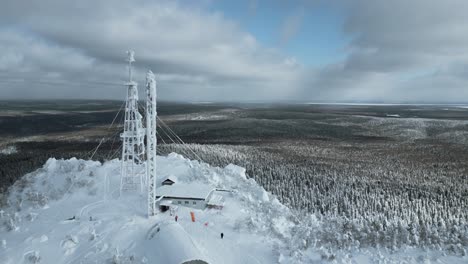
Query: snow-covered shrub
(118,258)
(93,235)
(33,257)
(36,198)
(68,184)
(93,191)
(11,224)
(22,183)
(69,244)
(84,183)
(55,194)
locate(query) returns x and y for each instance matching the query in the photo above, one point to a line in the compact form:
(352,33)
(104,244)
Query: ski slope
(70,211)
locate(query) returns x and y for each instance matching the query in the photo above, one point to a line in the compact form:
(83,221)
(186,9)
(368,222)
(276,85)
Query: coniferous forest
(369,176)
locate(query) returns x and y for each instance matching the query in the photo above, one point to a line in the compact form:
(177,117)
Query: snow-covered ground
(108,227)
(70,211)
(223,114)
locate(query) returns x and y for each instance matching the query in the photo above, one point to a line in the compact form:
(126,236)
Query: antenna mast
(133,148)
(151,141)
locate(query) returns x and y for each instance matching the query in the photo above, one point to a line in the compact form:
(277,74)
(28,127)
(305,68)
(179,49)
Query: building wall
(196,204)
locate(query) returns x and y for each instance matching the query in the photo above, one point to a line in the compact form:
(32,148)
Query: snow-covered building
(178,246)
(198,196)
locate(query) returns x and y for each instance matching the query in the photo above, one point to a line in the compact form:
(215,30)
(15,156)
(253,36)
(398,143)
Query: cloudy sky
(246,50)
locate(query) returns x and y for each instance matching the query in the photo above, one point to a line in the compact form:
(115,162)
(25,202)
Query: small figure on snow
(176,217)
(222,235)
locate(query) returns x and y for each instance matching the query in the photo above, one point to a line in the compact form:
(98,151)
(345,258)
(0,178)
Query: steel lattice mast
(133,148)
(151,141)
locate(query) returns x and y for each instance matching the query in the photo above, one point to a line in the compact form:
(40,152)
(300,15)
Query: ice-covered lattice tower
(133,147)
(151,141)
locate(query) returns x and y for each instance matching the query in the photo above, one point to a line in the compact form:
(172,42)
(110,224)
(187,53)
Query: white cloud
(181,44)
(399,50)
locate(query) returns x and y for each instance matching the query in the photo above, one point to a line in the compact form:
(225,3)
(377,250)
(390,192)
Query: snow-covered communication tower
(133,148)
(151,141)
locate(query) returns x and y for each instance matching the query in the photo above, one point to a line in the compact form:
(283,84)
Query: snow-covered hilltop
(70,211)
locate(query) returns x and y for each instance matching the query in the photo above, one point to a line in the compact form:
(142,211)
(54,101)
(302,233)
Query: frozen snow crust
(70,211)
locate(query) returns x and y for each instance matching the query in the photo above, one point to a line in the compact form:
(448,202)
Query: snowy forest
(354,177)
(376,202)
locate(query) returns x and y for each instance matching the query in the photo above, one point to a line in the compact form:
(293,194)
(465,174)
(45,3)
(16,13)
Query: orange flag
(192,214)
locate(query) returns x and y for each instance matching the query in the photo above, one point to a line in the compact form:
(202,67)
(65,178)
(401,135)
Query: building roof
(185,191)
(216,200)
(170,178)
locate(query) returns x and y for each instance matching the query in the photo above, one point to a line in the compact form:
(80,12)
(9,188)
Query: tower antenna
(133,149)
(151,141)
(130,59)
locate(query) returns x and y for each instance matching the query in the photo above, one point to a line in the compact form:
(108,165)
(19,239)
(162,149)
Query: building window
(186,202)
(194,202)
